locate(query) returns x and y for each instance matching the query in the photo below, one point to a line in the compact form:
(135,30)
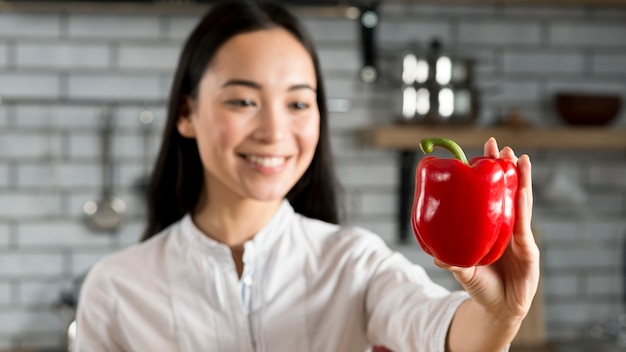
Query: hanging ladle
(107,213)
(142,184)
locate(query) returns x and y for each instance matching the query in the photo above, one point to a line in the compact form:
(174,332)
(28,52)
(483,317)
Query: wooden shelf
(407,137)
(191,7)
(596,3)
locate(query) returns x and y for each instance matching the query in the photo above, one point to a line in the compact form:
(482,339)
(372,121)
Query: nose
(272,125)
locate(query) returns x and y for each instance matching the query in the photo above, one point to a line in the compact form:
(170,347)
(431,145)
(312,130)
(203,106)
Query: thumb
(464,276)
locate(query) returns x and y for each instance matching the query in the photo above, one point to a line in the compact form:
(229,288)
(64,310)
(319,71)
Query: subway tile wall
(49,152)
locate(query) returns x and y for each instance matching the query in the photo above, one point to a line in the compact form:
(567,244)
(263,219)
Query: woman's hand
(504,290)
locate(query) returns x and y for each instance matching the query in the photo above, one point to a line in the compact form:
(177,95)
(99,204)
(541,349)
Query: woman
(242,251)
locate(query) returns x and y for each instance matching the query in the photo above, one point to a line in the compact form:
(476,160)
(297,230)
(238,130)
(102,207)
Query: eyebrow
(254,85)
(241,82)
(302,86)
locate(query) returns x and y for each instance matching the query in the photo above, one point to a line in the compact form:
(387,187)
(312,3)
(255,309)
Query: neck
(232,221)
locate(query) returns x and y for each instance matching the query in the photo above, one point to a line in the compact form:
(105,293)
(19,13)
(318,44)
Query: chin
(267,191)
(265,196)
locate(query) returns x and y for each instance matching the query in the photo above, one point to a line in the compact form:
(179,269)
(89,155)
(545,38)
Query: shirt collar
(265,238)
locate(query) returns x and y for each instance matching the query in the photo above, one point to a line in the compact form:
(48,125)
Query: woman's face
(255,119)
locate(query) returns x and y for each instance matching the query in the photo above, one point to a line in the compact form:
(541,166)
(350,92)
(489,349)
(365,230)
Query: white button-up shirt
(306,286)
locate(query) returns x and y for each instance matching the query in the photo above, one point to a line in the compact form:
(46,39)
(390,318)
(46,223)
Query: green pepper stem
(428,144)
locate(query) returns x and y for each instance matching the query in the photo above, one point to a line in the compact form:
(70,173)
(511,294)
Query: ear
(184,124)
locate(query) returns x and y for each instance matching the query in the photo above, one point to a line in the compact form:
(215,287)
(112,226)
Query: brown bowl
(587,108)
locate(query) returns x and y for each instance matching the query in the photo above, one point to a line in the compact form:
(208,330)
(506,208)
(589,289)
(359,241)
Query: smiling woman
(256,136)
(243,250)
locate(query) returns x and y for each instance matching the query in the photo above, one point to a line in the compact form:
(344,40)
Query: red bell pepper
(463,213)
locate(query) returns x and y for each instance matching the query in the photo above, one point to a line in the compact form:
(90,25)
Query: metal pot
(434,86)
(436,105)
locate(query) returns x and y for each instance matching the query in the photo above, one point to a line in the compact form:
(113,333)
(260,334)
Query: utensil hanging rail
(83,102)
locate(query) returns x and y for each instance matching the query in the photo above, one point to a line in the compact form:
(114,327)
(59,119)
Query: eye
(241,102)
(298,105)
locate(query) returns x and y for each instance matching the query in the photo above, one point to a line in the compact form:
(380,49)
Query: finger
(491,148)
(508,153)
(522,233)
(525,180)
(463,275)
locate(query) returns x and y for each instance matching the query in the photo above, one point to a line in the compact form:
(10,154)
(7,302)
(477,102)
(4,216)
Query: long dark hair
(177,178)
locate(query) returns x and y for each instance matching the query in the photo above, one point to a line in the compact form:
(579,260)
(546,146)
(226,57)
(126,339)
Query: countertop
(571,346)
(557,346)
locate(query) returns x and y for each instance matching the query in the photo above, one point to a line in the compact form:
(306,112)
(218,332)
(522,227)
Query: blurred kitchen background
(63,70)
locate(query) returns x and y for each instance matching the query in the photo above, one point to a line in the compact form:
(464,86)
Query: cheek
(223,136)
(309,134)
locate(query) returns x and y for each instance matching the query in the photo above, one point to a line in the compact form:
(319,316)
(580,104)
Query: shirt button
(247,281)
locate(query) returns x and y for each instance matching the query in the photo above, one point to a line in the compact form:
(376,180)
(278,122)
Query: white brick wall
(64,116)
(20,264)
(29,85)
(609,64)
(4,175)
(344,59)
(3,116)
(604,284)
(43,294)
(24,145)
(18,25)
(585,256)
(49,153)
(178,27)
(146,57)
(62,55)
(59,234)
(601,34)
(114,87)
(332,30)
(119,26)
(5,294)
(3,54)
(393,32)
(496,32)
(546,11)
(82,261)
(543,63)
(562,285)
(578,313)
(24,205)
(14,322)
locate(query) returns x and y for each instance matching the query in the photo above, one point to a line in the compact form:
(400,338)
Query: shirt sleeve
(406,310)
(95,327)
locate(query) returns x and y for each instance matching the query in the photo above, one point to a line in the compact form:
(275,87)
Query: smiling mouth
(266,161)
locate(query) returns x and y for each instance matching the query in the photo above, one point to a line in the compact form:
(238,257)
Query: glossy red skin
(508,221)
(463,215)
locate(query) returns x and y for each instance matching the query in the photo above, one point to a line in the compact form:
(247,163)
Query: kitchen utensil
(368,22)
(107,213)
(577,108)
(143,182)
(66,309)
(52,158)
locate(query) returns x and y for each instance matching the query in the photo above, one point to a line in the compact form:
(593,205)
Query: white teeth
(266,161)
